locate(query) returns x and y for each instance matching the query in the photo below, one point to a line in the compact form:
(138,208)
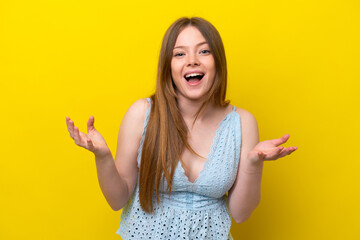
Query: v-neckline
(208,156)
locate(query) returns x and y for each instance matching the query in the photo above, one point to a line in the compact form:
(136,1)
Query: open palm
(92,141)
(270,150)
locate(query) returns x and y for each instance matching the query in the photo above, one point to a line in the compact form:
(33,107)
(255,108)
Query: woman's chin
(196,97)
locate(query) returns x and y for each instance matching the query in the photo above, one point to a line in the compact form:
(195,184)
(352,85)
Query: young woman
(180,151)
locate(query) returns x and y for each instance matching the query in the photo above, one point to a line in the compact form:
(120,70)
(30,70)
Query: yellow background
(293,64)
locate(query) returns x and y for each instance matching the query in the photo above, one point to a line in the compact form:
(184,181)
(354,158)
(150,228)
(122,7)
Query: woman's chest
(193,160)
(213,175)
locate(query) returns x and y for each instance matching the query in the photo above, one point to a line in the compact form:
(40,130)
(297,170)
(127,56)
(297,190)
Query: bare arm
(127,147)
(117,179)
(244,196)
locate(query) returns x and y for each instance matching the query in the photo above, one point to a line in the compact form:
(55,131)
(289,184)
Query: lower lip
(193,83)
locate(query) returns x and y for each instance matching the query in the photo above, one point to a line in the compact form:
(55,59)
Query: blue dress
(195,210)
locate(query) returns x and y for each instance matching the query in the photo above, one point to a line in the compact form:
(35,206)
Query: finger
(261,155)
(90,145)
(274,154)
(84,139)
(77,136)
(70,126)
(281,140)
(90,124)
(255,156)
(287,151)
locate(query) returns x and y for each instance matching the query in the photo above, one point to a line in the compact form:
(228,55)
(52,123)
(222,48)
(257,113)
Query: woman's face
(192,65)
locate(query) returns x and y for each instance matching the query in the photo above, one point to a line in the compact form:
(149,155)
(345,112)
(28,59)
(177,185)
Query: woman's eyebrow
(195,45)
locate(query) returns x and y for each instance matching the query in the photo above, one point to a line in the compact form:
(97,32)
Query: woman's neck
(188,109)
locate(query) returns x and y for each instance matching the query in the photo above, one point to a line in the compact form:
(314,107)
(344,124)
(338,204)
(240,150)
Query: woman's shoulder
(249,127)
(139,106)
(138,109)
(246,116)
(135,115)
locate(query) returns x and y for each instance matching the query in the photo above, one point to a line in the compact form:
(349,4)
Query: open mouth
(194,77)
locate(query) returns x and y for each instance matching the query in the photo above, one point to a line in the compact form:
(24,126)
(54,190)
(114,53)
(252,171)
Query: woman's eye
(178,54)
(205,51)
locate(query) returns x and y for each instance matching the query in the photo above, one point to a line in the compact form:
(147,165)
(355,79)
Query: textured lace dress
(195,210)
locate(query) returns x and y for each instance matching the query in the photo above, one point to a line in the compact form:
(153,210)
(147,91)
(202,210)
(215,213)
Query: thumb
(281,140)
(90,124)
(255,156)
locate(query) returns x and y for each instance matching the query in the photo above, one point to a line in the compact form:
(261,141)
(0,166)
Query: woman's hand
(270,150)
(93,141)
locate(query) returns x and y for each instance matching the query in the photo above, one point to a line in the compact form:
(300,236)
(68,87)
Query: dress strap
(147,115)
(234,108)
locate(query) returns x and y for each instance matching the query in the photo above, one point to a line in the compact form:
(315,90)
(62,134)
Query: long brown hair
(166,134)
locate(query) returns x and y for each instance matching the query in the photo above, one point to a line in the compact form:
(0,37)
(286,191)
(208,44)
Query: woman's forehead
(188,37)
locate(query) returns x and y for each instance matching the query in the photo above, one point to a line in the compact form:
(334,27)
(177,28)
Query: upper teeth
(193,75)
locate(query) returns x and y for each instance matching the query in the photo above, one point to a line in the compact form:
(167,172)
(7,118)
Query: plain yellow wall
(293,64)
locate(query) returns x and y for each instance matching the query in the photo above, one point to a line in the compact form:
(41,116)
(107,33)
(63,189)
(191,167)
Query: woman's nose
(193,60)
